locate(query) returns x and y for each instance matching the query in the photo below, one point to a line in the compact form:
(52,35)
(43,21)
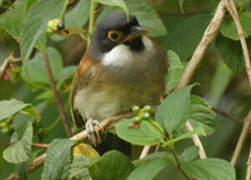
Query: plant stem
(91,21)
(57,96)
(178,162)
(63,10)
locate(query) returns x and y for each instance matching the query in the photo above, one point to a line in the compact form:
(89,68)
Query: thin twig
(57,96)
(145,152)
(107,124)
(223,113)
(248,176)
(36,145)
(230,6)
(207,39)
(6,63)
(242,139)
(196,141)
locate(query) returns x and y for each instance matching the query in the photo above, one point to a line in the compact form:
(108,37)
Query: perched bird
(121,68)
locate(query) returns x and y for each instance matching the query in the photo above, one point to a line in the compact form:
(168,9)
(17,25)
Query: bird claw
(93,134)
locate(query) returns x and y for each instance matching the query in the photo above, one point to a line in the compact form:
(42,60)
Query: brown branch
(41,146)
(7,61)
(230,6)
(57,96)
(242,139)
(248,176)
(223,113)
(145,152)
(207,39)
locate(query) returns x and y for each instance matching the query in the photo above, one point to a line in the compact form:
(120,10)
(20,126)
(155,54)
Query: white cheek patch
(121,54)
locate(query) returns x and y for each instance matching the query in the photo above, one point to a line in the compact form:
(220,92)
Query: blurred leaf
(45,95)
(231,53)
(146,134)
(120,3)
(147,17)
(185,37)
(148,171)
(78,16)
(154,156)
(201,114)
(12,20)
(58,160)
(66,74)
(199,130)
(229,28)
(174,110)
(219,83)
(79,168)
(175,70)
(21,151)
(84,149)
(209,169)
(11,107)
(34,70)
(181,5)
(111,165)
(28,4)
(190,153)
(35,25)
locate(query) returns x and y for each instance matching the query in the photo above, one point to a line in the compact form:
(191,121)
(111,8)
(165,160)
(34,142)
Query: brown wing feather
(79,80)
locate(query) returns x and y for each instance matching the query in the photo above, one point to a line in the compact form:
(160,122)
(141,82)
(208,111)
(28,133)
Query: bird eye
(114,35)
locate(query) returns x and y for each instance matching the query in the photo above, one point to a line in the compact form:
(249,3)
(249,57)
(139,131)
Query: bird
(122,67)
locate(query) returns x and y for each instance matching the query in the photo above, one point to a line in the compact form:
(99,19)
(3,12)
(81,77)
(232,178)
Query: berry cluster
(6,126)
(54,25)
(140,115)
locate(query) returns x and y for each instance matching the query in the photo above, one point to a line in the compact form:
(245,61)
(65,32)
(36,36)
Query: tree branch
(145,151)
(230,6)
(242,139)
(248,176)
(6,63)
(41,146)
(223,113)
(57,96)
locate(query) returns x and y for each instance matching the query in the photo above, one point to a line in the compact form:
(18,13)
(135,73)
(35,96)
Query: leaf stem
(91,21)
(171,148)
(63,10)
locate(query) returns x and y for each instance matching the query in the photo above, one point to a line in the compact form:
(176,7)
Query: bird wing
(81,80)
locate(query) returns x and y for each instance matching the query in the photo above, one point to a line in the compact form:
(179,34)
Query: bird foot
(92,126)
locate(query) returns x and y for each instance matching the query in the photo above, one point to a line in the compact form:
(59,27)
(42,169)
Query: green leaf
(147,17)
(11,107)
(35,25)
(58,160)
(229,28)
(190,153)
(78,16)
(66,74)
(79,168)
(21,151)
(184,38)
(28,4)
(146,134)
(231,53)
(209,169)
(175,70)
(111,165)
(34,70)
(12,20)
(119,3)
(174,111)
(148,171)
(198,130)
(154,156)
(201,114)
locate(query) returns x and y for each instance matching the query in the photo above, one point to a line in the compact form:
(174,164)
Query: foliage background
(223,82)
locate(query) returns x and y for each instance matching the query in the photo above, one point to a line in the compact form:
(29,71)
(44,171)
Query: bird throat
(135,44)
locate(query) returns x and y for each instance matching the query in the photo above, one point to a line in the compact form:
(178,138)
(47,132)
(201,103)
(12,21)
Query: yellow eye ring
(114,35)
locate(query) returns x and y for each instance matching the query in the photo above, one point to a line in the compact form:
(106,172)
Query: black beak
(135,32)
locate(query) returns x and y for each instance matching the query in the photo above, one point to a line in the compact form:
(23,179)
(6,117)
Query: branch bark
(248,176)
(57,96)
(242,139)
(230,6)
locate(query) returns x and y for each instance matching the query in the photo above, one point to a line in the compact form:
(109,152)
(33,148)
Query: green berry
(135,110)
(5,130)
(53,25)
(147,108)
(146,115)
(4,124)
